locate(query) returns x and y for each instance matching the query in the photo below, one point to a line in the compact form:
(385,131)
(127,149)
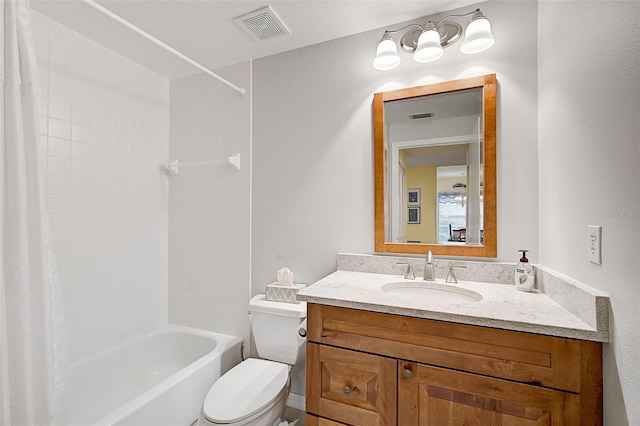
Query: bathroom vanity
(378,358)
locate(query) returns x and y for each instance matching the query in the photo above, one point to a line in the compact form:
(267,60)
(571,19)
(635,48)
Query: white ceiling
(205,31)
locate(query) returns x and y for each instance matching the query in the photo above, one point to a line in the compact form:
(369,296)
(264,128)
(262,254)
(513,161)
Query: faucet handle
(451,277)
(409,275)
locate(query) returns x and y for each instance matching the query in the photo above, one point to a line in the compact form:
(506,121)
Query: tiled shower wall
(104,124)
(209,206)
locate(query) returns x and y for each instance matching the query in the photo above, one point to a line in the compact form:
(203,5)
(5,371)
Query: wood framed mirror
(435,168)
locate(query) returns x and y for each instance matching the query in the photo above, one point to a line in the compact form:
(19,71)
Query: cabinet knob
(346,390)
(407,373)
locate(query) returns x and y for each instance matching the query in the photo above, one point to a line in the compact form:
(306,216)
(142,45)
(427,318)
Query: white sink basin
(431,292)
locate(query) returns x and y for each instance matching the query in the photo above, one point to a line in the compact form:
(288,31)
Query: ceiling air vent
(262,24)
(421,115)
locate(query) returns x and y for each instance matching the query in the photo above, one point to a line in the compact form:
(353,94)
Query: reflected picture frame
(413,215)
(413,196)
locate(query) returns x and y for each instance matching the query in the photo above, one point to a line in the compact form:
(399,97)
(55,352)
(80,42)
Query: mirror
(435,168)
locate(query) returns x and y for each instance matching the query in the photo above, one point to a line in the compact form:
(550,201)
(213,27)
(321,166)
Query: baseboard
(296,401)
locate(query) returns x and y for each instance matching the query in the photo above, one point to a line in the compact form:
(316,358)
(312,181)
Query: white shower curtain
(32,345)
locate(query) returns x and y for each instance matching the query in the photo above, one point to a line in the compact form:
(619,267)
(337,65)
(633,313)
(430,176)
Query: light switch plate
(595,244)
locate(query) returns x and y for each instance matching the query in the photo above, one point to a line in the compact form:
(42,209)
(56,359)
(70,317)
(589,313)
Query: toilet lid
(244,390)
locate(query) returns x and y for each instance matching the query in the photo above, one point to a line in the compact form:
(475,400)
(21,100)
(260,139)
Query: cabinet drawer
(351,387)
(524,357)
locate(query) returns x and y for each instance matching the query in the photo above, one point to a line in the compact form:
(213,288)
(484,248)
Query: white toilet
(255,391)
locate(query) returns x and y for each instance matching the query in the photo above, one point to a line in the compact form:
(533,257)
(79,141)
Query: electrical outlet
(595,244)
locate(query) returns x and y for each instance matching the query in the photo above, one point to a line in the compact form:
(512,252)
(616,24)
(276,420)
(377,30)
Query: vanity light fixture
(427,42)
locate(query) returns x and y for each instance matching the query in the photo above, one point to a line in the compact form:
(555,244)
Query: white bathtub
(157,379)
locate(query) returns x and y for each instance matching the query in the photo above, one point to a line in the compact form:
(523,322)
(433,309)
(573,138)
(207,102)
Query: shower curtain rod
(166,47)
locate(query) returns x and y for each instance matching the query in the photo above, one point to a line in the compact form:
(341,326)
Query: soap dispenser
(524,276)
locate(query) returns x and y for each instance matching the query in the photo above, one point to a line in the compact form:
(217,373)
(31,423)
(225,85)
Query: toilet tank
(275,328)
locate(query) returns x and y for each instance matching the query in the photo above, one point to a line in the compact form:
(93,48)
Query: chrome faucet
(429,274)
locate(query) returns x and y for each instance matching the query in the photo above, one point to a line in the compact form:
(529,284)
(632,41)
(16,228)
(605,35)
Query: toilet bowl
(255,391)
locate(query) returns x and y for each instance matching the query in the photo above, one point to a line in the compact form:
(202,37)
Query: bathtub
(160,378)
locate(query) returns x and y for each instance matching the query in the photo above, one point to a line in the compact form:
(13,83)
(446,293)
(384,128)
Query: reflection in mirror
(435,146)
(435,168)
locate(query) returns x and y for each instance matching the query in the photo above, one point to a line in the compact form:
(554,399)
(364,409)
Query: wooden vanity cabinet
(368,368)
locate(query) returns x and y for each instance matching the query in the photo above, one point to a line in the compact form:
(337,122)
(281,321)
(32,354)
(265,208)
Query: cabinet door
(351,387)
(436,396)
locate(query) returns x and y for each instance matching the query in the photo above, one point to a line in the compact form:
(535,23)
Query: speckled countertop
(502,306)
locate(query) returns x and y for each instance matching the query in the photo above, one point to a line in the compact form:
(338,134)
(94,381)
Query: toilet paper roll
(302,332)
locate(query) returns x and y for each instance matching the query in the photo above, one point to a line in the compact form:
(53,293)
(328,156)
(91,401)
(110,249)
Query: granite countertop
(502,306)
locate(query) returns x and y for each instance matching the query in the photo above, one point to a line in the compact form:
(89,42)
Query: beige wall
(425,179)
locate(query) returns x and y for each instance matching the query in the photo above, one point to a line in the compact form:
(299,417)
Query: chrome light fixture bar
(427,42)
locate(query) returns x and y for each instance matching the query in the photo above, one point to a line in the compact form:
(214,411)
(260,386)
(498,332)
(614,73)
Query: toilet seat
(251,387)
